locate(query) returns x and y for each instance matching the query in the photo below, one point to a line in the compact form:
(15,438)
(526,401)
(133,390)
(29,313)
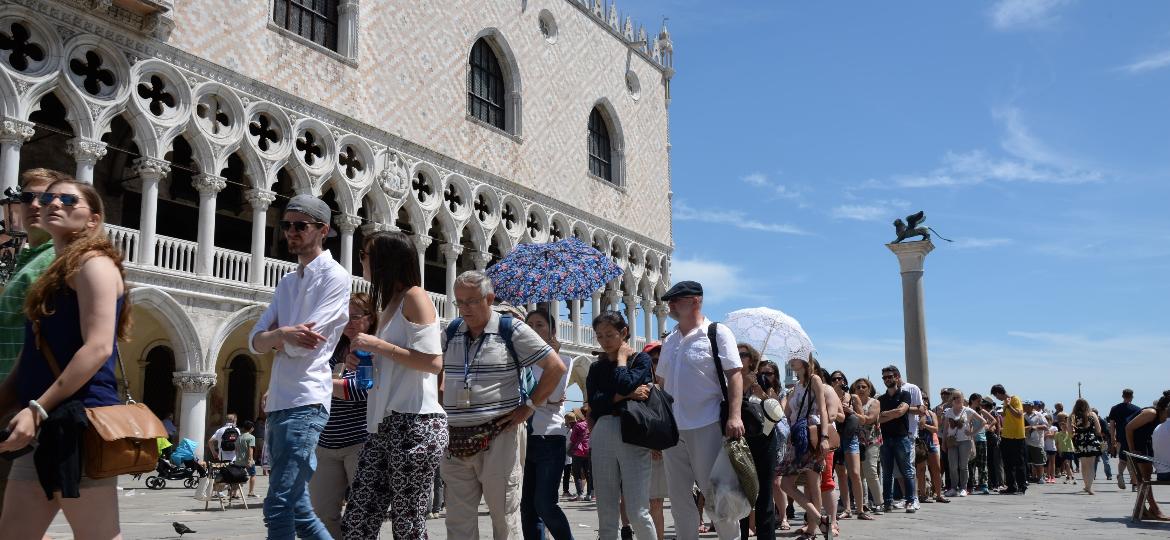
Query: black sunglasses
(67,199)
(887,377)
(838,378)
(767,374)
(300,226)
(27,197)
(745,355)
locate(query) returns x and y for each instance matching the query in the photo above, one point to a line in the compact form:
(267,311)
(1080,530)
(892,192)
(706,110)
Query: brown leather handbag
(120,439)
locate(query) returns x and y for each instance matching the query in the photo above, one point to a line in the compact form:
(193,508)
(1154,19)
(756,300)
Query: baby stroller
(177,463)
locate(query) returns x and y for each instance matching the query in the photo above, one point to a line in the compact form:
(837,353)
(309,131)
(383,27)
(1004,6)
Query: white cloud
(1017,14)
(735,218)
(1149,63)
(980,243)
(721,281)
(783,191)
(883,210)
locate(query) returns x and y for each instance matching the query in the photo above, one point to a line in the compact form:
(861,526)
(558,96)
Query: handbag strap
(51,360)
(712,336)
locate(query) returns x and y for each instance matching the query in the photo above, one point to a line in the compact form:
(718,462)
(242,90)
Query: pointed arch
(489,50)
(606,143)
(179,327)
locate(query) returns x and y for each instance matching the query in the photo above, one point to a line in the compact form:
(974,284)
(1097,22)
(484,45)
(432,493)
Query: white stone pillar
(421,243)
(610,300)
(632,314)
(193,406)
(259,199)
(451,254)
(554,309)
(347,224)
(595,306)
(911,258)
(209,185)
(87,153)
(347,28)
(150,171)
(647,325)
(660,311)
(575,319)
(13,135)
(481,259)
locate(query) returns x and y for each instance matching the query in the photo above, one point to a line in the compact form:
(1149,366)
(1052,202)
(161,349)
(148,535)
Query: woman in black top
(1139,434)
(619,469)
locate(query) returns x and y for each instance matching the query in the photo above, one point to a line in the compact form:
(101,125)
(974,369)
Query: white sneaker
(963,493)
(898,505)
(951,493)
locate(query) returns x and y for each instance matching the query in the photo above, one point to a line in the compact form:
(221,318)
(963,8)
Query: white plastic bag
(204,490)
(728,502)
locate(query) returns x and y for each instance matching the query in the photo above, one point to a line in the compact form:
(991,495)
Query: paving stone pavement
(1052,511)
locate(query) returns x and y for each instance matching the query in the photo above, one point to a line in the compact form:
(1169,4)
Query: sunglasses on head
(300,226)
(27,197)
(67,199)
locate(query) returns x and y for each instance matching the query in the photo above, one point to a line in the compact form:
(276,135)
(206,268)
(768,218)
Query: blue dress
(62,333)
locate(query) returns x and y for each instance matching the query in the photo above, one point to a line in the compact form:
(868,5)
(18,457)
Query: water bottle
(365,370)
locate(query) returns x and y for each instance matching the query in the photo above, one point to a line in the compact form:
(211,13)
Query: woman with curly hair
(76,313)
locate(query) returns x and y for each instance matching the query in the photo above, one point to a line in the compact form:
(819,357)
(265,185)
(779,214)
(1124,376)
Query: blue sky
(1034,134)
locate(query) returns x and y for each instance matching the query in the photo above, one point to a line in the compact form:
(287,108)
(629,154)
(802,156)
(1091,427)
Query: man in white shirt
(221,451)
(309,310)
(688,370)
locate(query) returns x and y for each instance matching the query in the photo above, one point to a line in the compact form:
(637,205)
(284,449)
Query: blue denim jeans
(543,464)
(896,451)
(292,442)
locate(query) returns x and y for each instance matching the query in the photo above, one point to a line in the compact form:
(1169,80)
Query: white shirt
(225,455)
(397,388)
(689,372)
(915,401)
(965,415)
(1035,437)
(547,419)
(1162,447)
(318,293)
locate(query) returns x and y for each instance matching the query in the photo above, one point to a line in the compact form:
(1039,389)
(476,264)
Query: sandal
(784,526)
(844,515)
(865,516)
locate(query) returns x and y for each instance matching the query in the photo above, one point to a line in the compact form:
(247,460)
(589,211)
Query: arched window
(485,85)
(158,389)
(314,20)
(600,152)
(241,391)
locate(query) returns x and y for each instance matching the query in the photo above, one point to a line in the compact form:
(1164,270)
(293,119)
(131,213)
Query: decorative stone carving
(394,179)
(149,168)
(16,131)
(86,151)
(194,382)
(209,184)
(348,223)
(451,252)
(260,198)
(481,259)
(422,242)
(158,25)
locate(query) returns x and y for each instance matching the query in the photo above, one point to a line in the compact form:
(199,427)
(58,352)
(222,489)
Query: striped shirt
(347,415)
(30,264)
(483,371)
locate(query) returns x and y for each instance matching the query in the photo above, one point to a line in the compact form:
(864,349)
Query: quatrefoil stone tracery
(483,210)
(94,77)
(422,189)
(263,130)
(22,51)
(310,148)
(212,114)
(509,217)
(452,198)
(350,160)
(533,225)
(154,93)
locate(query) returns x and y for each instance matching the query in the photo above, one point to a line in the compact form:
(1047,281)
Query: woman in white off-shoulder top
(407,425)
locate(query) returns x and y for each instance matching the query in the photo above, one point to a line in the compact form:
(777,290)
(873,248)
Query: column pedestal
(193,407)
(911,257)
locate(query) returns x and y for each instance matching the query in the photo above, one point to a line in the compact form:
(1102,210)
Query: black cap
(683,288)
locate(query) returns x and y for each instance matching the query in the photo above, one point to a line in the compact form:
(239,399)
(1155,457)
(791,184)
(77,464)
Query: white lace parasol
(775,334)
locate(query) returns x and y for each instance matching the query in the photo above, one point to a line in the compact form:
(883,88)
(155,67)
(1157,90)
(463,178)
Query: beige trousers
(327,488)
(495,475)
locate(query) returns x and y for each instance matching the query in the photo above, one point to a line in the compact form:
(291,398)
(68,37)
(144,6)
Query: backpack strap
(524,375)
(452,328)
(712,336)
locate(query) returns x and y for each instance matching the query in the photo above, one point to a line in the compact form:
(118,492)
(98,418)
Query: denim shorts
(853,446)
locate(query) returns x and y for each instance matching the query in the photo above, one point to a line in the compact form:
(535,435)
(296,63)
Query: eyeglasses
(745,355)
(467,302)
(300,226)
(887,377)
(67,199)
(837,378)
(27,197)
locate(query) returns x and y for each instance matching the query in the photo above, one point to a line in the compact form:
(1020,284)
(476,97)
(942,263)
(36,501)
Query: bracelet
(36,407)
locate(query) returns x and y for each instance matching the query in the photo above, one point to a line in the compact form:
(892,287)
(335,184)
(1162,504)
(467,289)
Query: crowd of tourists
(376,412)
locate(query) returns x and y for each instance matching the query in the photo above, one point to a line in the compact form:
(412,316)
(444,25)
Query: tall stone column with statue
(911,260)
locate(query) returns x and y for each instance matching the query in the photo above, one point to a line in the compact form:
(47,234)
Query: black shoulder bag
(751,414)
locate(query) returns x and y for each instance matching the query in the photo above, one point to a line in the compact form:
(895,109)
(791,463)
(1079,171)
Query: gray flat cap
(311,206)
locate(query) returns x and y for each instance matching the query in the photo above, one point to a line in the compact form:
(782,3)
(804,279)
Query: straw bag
(120,439)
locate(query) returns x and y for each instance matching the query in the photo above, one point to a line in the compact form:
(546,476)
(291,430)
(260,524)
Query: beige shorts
(24,469)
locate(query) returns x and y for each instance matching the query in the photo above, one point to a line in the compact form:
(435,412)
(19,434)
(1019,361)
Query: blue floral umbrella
(565,270)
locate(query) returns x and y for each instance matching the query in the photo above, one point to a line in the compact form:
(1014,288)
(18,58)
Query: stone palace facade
(473,125)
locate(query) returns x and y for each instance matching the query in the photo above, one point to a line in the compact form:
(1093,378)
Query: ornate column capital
(912,255)
(649,305)
(481,259)
(260,198)
(90,151)
(422,242)
(451,251)
(16,131)
(632,299)
(192,382)
(661,310)
(347,223)
(149,168)
(209,184)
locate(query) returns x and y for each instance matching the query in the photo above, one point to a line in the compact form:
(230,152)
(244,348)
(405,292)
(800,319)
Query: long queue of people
(374,408)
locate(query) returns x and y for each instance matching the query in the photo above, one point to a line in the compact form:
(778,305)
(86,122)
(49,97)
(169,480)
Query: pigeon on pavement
(182,529)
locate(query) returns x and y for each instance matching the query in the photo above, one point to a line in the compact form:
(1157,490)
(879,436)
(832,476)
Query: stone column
(209,185)
(647,325)
(193,406)
(87,153)
(347,28)
(347,224)
(911,257)
(481,259)
(610,300)
(259,199)
(451,254)
(595,306)
(421,243)
(13,135)
(554,309)
(150,171)
(632,314)
(575,318)
(660,312)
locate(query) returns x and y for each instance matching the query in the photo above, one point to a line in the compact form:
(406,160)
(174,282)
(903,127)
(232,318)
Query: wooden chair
(234,489)
(1145,487)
